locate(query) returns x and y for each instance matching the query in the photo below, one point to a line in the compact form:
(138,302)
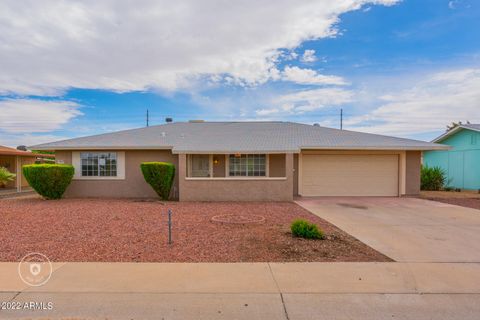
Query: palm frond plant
(5,177)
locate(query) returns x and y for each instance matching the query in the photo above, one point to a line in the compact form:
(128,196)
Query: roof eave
(174,151)
(449,133)
(386,148)
(61,148)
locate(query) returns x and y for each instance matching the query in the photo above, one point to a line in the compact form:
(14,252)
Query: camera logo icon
(35,269)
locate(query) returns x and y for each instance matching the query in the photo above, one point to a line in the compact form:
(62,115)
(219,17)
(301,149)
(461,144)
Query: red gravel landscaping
(469,199)
(136,231)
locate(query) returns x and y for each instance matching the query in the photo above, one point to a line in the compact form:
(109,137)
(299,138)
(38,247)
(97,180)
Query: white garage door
(349,175)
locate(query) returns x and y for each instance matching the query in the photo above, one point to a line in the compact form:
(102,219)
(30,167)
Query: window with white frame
(98,164)
(247,165)
(200,165)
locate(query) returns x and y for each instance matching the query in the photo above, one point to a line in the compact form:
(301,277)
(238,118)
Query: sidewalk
(251,290)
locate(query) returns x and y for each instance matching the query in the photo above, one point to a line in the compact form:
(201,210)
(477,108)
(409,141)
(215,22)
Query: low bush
(5,176)
(304,229)
(160,176)
(432,178)
(49,180)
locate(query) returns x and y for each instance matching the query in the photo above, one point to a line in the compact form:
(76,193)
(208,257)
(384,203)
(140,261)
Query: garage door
(349,175)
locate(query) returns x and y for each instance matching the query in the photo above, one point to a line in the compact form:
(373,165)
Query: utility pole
(341,119)
(147,118)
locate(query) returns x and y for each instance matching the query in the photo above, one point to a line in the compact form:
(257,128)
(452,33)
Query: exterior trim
(78,167)
(227,165)
(453,131)
(237,178)
(393,148)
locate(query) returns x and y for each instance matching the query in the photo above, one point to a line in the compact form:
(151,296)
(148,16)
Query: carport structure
(13,160)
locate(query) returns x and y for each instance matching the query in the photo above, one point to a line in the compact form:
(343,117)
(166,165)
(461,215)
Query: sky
(403,68)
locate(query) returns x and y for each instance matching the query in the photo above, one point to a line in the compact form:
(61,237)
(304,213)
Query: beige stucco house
(245,161)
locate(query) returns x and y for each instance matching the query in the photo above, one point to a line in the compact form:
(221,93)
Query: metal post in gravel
(169,226)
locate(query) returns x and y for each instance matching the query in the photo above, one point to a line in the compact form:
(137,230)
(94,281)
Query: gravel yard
(136,231)
(469,199)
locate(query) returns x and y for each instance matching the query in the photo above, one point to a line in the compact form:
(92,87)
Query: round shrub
(160,176)
(49,180)
(432,178)
(303,229)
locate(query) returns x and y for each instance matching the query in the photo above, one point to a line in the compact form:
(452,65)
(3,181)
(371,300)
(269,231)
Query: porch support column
(289,168)
(18,178)
(182,173)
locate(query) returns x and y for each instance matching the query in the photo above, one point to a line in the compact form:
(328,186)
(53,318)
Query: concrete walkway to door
(405,229)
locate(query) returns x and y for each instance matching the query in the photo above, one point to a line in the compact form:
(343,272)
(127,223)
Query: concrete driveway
(405,229)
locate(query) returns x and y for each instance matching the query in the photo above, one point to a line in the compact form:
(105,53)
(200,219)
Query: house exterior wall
(413,164)
(219,168)
(461,162)
(132,186)
(276,165)
(295,174)
(236,189)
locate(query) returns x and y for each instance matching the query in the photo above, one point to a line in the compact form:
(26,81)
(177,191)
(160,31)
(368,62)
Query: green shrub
(304,229)
(160,176)
(5,176)
(49,180)
(432,178)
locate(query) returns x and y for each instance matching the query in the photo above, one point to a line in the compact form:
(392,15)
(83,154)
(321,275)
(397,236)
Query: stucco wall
(219,168)
(227,189)
(276,165)
(133,186)
(413,163)
(295,174)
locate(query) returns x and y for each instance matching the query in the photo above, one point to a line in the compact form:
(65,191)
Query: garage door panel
(350,175)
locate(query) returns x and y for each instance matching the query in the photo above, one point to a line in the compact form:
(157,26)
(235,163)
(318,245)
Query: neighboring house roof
(241,137)
(14,152)
(474,127)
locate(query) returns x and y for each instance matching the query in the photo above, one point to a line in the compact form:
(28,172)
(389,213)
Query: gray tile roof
(242,137)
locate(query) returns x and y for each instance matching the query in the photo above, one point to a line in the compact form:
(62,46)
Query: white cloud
(29,115)
(308,56)
(14,140)
(47,46)
(309,76)
(427,105)
(307,101)
(452,4)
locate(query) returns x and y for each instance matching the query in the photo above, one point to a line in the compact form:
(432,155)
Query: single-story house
(223,161)
(462,162)
(13,160)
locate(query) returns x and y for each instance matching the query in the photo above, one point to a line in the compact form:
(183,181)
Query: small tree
(432,178)
(5,176)
(49,180)
(160,176)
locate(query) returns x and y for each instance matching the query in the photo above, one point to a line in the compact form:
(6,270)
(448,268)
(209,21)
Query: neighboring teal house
(462,162)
